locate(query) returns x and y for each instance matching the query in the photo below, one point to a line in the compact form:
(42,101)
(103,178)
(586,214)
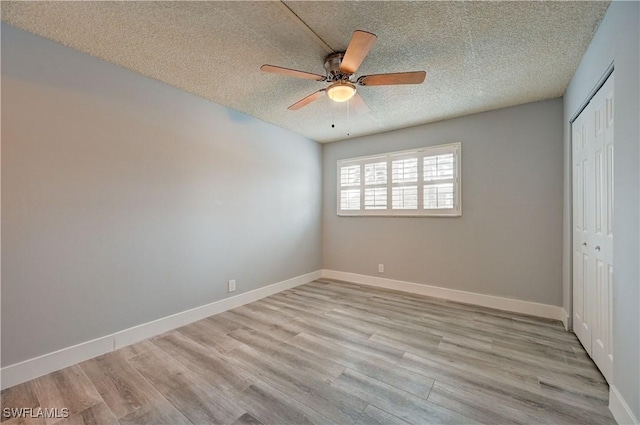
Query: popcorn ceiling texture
(478,56)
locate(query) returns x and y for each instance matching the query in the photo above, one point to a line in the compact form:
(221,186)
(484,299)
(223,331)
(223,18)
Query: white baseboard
(33,368)
(500,303)
(620,409)
(565,319)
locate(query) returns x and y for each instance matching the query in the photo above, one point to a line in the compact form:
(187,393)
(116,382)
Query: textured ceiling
(478,55)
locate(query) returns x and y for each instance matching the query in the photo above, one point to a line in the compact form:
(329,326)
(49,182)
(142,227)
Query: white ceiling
(478,55)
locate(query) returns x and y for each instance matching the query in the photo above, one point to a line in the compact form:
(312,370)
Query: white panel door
(592,161)
(601,154)
(581,254)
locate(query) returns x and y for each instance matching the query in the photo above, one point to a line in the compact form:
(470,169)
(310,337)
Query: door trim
(592,93)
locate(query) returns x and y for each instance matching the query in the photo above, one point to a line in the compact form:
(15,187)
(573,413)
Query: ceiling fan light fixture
(341,91)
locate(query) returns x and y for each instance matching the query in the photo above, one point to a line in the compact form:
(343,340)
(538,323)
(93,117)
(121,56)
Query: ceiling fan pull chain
(333,117)
(348,119)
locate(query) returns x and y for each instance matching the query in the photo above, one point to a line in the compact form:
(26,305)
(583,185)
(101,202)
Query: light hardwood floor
(331,352)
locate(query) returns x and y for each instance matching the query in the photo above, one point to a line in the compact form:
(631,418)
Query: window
(421,182)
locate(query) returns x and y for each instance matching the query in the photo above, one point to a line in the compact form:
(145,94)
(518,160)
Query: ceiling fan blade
(307,100)
(359,46)
(292,72)
(358,104)
(393,79)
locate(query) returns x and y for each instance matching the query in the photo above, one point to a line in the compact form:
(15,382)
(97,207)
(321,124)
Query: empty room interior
(320,212)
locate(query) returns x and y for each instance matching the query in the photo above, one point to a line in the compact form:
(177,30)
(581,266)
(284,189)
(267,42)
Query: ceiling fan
(341,67)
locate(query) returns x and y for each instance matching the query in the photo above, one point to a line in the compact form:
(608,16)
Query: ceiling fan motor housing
(332,66)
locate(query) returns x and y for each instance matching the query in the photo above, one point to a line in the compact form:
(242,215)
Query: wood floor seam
(159,395)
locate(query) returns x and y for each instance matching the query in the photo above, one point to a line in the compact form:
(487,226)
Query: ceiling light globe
(341,91)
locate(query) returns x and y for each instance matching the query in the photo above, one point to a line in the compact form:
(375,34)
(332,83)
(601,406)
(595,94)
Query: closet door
(601,154)
(592,161)
(581,255)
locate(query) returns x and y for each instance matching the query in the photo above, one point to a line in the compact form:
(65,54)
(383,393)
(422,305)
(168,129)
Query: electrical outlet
(380,268)
(232,285)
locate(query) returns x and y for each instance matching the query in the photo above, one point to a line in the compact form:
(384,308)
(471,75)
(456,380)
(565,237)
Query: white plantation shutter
(375,173)
(421,182)
(375,198)
(350,199)
(438,167)
(375,181)
(404,179)
(439,182)
(405,198)
(350,176)
(350,188)
(405,170)
(438,196)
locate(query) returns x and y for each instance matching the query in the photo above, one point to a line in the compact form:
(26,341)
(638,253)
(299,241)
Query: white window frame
(420,154)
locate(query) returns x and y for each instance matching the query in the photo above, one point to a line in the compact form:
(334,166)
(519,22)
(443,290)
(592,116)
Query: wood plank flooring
(331,352)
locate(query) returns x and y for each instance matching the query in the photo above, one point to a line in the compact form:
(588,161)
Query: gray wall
(617,40)
(125,200)
(508,241)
